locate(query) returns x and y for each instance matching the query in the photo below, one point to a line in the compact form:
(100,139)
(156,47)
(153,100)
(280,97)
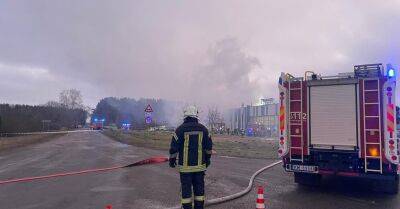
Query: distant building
(255,120)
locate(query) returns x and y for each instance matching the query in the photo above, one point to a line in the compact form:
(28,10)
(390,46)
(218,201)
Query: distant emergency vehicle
(342,125)
(98,124)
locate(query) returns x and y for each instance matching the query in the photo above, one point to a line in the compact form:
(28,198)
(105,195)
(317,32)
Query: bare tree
(53,104)
(71,98)
(214,118)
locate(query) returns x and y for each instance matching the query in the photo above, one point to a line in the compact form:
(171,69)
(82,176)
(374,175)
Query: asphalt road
(156,186)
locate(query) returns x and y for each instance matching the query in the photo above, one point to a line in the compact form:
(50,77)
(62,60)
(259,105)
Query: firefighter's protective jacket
(193,143)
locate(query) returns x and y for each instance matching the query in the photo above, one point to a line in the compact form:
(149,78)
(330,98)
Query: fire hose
(239,194)
(153,160)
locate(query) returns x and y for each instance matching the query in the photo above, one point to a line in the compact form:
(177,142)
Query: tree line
(116,111)
(67,113)
(26,118)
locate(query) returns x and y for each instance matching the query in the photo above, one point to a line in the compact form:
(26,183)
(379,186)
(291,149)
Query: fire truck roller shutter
(333,115)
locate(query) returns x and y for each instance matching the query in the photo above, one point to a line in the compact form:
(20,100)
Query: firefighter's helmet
(191,111)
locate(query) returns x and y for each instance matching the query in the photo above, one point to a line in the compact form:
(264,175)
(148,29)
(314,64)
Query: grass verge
(233,146)
(24,140)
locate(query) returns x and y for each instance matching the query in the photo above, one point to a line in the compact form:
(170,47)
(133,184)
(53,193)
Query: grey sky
(184,50)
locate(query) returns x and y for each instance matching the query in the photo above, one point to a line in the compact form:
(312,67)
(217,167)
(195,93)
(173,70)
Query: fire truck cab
(343,125)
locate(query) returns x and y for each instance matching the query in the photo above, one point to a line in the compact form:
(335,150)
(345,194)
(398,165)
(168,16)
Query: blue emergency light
(390,73)
(390,70)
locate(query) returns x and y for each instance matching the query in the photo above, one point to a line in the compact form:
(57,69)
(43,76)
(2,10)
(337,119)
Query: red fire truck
(98,124)
(343,125)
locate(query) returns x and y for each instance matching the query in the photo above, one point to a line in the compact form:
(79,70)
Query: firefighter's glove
(208,160)
(172,162)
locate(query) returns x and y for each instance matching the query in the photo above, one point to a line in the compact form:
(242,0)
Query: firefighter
(192,145)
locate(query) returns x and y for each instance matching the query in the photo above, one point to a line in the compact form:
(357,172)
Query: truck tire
(387,186)
(308,179)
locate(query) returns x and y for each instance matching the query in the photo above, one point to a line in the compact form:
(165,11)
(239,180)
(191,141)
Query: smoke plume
(227,77)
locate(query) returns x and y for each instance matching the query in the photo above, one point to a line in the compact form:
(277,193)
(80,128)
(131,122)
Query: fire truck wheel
(387,186)
(307,179)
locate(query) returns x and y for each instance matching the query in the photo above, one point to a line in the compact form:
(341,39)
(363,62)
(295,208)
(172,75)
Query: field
(234,146)
(23,140)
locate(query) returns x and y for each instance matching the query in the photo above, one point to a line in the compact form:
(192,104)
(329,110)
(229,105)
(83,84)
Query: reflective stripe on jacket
(192,143)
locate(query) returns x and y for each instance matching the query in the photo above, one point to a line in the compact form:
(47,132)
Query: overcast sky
(206,52)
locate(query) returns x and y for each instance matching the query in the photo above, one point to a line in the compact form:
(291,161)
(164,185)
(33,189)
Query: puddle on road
(131,156)
(110,189)
(270,139)
(126,158)
(86,147)
(120,145)
(148,203)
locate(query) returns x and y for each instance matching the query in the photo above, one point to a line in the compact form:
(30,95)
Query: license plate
(302,168)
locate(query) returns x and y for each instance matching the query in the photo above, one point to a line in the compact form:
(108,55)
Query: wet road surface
(156,186)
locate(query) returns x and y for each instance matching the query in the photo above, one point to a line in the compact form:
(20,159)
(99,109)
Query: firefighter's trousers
(196,180)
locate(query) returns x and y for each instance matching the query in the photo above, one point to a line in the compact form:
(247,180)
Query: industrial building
(255,120)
